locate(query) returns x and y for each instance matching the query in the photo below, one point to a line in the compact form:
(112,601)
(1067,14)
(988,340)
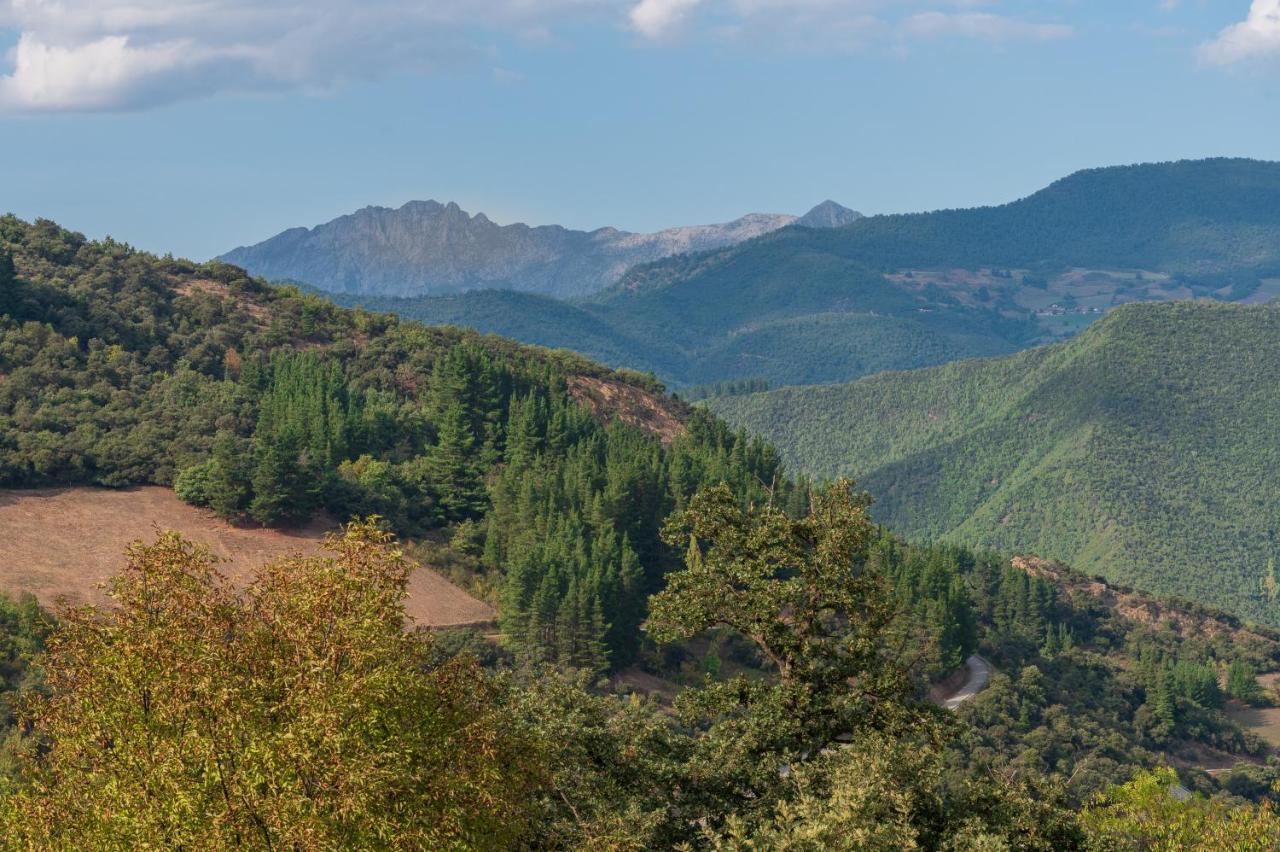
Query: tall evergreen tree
(8,285)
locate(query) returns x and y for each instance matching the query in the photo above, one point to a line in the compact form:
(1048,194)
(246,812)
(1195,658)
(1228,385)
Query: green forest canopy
(1142,450)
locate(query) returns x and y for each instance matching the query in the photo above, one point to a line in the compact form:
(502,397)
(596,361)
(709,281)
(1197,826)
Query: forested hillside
(1140,451)
(807,306)
(543,487)
(190,713)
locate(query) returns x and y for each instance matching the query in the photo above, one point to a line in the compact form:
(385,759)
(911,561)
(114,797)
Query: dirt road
(979,674)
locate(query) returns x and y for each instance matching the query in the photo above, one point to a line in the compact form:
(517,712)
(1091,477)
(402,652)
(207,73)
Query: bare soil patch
(613,400)
(64,542)
(1263,721)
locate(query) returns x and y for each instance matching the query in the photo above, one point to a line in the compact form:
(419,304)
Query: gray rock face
(428,248)
(829,214)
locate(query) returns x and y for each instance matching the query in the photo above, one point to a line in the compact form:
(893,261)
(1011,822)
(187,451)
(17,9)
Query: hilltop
(1139,451)
(538,480)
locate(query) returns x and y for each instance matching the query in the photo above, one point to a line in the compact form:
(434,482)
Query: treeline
(733,387)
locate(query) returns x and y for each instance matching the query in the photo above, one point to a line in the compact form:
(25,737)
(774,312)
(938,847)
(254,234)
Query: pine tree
(1164,705)
(9,295)
(1242,682)
(453,472)
(279,484)
(228,482)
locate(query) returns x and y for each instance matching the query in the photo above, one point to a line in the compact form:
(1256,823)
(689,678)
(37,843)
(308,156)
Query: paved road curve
(979,674)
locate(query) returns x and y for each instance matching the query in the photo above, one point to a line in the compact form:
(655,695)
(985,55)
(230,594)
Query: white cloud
(123,54)
(96,55)
(657,18)
(1255,37)
(845,24)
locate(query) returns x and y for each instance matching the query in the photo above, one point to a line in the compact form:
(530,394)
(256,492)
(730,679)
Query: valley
(613,553)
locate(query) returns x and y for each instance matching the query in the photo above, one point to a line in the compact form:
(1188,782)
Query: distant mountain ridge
(800,305)
(429,248)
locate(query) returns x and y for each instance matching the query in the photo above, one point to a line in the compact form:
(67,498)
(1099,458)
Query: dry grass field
(63,542)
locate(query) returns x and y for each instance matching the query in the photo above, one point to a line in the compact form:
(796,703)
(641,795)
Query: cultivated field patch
(64,542)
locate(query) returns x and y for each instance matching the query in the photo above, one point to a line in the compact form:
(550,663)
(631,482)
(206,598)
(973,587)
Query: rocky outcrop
(428,248)
(829,214)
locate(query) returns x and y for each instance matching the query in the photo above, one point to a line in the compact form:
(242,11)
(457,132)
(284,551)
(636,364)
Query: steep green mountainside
(1142,450)
(530,318)
(807,306)
(803,349)
(540,479)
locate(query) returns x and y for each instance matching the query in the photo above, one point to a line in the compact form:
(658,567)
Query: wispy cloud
(101,55)
(1257,36)
(850,24)
(980,25)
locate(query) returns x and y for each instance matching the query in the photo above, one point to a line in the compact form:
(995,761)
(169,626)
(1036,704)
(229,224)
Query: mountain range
(803,306)
(1142,450)
(429,248)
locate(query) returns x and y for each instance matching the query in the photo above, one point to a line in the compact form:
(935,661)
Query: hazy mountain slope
(799,305)
(530,318)
(1204,217)
(1142,450)
(810,347)
(428,248)
(829,214)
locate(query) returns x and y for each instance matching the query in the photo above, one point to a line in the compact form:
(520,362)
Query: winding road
(979,674)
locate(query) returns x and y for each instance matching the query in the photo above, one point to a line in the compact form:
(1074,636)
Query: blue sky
(193,127)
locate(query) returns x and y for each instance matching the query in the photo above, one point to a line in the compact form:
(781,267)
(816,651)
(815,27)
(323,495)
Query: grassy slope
(1142,450)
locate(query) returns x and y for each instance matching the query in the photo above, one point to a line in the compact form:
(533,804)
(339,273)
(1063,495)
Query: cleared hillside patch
(64,542)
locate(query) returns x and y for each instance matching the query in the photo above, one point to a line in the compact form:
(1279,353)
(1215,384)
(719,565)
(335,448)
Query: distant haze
(429,248)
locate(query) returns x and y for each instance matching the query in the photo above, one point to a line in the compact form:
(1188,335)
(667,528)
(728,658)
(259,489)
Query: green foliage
(1134,451)
(24,628)
(295,715)
(892,794)
(1242,682)
(1150,812)
(728,388)
(574,524)
(9,295)
(1081,695)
